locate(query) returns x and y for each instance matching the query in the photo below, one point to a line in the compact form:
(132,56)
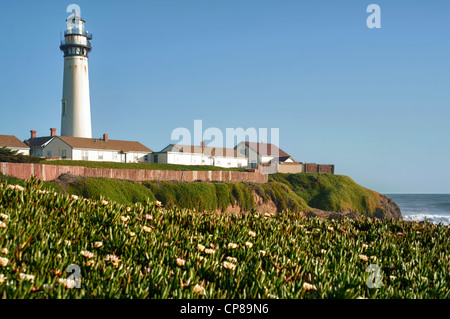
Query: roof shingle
(11,141)
(100,144)
(266,149)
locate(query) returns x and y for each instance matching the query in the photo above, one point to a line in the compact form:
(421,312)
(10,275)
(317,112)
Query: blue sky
(374,102)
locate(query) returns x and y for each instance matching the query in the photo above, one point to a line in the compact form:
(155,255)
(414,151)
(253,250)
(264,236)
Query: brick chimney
(53,132)
(203,145)
(33,134)
(105,137)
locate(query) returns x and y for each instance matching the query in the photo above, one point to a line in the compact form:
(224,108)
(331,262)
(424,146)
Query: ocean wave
(437,219)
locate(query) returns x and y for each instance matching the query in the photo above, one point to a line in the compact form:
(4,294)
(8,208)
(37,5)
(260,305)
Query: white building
(88,149)
(199,155)
(263,153)
(13,143)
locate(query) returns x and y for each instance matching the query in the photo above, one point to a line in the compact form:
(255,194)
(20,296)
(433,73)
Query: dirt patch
(65,180)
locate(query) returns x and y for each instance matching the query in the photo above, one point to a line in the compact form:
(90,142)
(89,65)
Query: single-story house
(36,144)
(199,155)
(263,153)
(13,143)
(89,149)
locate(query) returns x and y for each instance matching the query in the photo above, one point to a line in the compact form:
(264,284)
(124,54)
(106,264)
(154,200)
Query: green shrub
(13,156)
(124,192)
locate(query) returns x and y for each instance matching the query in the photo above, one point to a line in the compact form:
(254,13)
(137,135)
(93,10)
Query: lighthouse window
(63,107)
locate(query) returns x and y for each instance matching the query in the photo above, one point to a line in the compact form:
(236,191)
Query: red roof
(100,144)
(266,149)
(11,141)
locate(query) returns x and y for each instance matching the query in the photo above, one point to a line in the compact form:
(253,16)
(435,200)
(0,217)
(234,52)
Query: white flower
(210,251)
(3,261)
(75,197)
(5,251)
(199,290)
(252,234)
(323,251)
(132,234)
(158,203)
(330,228)
(262,252)
(149,217)
(200,247)
(26,277)
(232,260)
(147,229)
(16,187)
(364,257)
(87,254)
(128,209)
(2,225)
(104,202)
(248,244)
(308,286)
(229,265)
(98,244)
(67,242)
(4,216)
(181,262)
(365,246)
(68,283)
(2,278)
(232,246)
(113,258)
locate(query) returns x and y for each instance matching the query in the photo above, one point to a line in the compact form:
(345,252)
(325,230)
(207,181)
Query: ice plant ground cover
(179,253)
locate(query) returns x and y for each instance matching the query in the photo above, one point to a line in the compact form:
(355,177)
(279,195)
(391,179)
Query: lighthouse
(75,104)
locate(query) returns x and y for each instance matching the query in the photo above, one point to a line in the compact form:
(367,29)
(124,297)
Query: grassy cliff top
(301,192)
(328,192)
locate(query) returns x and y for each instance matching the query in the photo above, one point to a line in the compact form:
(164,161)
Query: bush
(12,156)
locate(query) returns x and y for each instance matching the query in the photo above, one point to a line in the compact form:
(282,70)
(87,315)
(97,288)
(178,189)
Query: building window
(100,155)
(63,104)
(84,155)
(155,158)
(63,154)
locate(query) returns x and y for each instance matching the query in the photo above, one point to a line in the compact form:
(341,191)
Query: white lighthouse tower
(76,105)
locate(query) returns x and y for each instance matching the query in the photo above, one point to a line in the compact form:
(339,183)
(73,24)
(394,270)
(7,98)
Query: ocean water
(420,207)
